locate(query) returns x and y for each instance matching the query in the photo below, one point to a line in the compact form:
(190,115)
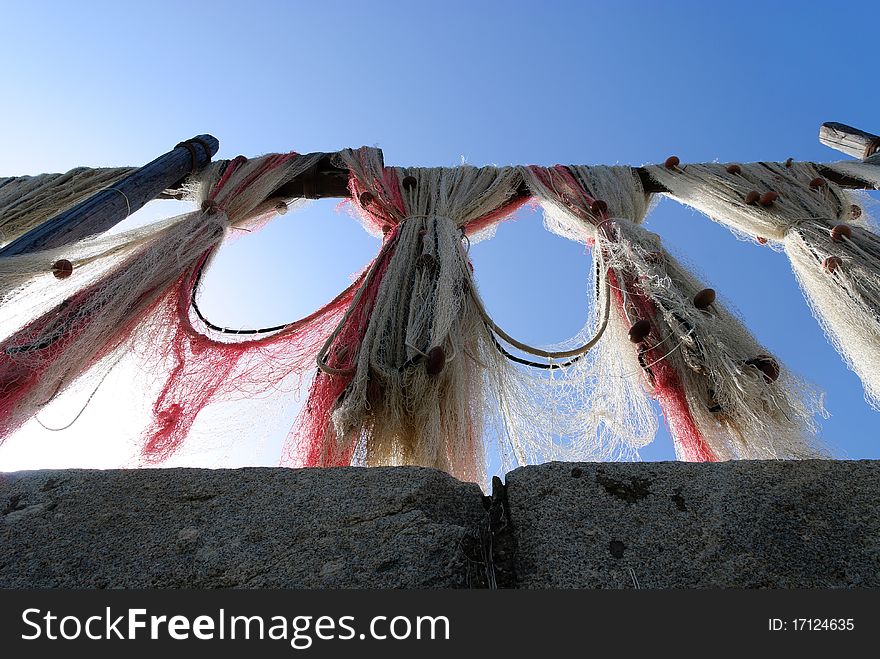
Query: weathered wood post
(107,208)
(851,141)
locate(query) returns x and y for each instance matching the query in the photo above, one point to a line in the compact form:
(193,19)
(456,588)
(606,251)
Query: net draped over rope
(408,365)
(132,291)
(399,380)
(720,392)
(833,251)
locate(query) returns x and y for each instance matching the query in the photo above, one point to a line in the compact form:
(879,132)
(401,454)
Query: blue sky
(433,83)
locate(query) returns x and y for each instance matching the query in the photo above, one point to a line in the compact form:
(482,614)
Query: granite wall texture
(560,525)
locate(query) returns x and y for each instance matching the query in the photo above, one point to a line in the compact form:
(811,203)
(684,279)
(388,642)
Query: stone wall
(651,525)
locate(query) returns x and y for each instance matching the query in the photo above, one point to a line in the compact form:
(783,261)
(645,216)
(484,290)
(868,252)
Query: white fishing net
(833,250)
(738,411)
(416,395)
(56,330)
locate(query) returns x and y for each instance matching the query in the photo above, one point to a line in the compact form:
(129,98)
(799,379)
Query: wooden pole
(107,208)
(163,176)
(849,140)
(327,180)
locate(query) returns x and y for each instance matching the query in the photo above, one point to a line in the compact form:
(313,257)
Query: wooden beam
(107,208)
(849,140)
(323,181)
(329,181)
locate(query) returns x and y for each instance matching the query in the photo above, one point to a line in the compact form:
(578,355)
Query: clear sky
(435,83)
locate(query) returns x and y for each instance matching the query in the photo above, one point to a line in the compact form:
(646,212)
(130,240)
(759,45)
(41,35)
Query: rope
(194,156)
(540,352)
(576,353)
(124,196)
(85,405)
(225,330)
(528,362)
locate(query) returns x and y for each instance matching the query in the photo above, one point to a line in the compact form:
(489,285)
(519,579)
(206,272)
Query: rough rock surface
(657,525)
(247,528)
(809,524)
